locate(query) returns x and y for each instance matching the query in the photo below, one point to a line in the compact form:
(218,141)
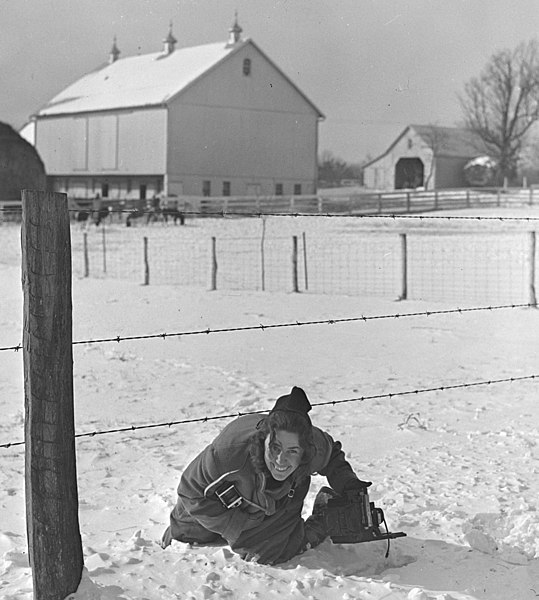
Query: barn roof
(456,142)
(145,80)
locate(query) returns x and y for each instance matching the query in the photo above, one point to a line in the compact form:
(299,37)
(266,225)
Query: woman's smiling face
(282,454)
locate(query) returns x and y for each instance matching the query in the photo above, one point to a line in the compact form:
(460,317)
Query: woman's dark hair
(281,420)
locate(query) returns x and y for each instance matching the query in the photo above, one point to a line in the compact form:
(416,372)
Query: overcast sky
(371,66)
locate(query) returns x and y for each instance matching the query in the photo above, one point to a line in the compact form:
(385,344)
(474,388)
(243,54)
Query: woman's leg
(184,528)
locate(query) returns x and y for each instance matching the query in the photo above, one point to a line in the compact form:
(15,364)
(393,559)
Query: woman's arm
(208,509)
(334,466)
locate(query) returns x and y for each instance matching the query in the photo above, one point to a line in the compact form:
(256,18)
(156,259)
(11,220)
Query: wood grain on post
(54,542)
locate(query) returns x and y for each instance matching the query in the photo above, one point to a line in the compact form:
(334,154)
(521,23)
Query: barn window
(297,189)
(278,189)
(247,66)
(206,188)
(226,188)
(410,144)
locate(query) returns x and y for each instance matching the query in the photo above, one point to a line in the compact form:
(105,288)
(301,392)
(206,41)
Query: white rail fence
(341,201)
(364,202)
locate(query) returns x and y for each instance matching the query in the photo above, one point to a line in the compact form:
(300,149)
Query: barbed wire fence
(268,326)
(182,261)
(208,418)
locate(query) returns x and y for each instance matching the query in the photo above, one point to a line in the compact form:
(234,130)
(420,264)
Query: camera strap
(227,493)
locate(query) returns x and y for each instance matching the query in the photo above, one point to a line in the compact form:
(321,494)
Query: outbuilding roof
(450,141)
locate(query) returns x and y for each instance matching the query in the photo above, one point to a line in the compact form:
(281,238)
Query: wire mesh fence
(469,267)
(491,266)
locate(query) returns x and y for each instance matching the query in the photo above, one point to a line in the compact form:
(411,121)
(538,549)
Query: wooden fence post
(86,259)
(295,284)
(146,263)
(52,522)
(532,296)
(213,286)
(404,267)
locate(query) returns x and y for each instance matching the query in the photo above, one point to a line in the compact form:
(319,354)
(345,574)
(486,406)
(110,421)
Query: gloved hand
(248,555)
(356,484)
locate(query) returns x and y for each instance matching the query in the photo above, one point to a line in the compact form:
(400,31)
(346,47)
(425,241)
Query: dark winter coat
(268,524)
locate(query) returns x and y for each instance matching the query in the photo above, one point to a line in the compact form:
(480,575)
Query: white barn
(219,119)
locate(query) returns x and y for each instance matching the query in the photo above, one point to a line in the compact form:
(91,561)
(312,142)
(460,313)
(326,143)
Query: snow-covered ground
(457,470)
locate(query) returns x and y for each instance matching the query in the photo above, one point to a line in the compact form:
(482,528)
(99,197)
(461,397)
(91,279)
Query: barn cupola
(114,52)
(234,32)
(169,42)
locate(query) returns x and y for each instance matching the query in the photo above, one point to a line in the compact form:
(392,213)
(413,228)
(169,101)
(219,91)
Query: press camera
(352,518)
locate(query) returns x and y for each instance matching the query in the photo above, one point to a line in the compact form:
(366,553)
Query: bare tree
(502,103)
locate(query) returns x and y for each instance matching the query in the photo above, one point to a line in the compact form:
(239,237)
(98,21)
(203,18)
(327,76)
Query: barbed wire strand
(262,327)
(260,214)
(206,419)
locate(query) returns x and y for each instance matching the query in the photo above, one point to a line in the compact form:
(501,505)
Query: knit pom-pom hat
(296,402)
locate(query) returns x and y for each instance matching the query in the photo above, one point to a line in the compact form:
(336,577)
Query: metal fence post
(404,267)
(531,285)
(86,259)
(104,243)
(262,255)
(295,284)
(213,285)
(305,262)
(146,263)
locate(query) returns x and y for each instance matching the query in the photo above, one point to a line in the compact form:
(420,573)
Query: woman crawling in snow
(247,487)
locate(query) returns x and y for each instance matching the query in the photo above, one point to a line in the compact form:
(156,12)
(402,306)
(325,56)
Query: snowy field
(457,470)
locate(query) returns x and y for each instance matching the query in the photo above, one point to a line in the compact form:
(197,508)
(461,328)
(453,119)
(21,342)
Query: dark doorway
(409,173)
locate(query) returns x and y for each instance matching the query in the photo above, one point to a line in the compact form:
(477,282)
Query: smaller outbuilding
(20,168)
(424,156)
